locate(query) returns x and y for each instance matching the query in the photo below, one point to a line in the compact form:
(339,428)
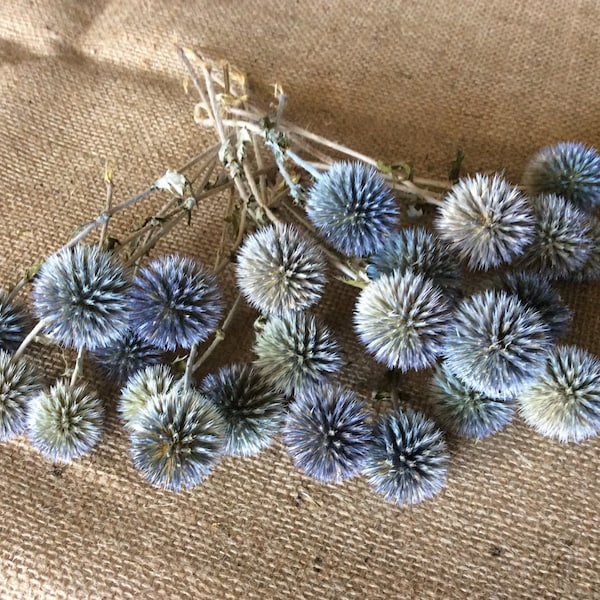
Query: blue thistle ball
(402,319)
(153,380)
(497,344)
(590,271)
(568,169)
(14,323)
(562,243)
(178,439)
(296,353)
(535,291)
(563,402)
(125,356)
(251,407)
(408,458)
(488,222)
(80,294)
(280,271)
(19,382)
(65,422)
(465,411)
(175,302)
(420,251)
(353,207)
(326,433)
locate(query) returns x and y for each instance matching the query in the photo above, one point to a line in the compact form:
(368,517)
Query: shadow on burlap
(398,80)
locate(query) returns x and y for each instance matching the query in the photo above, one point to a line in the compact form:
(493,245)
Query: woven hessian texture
(82,82)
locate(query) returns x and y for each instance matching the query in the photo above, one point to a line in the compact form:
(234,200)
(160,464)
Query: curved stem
(77,368)
(28,339)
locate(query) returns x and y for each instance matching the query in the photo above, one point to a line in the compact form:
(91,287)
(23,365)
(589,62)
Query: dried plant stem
(28,339)
(107,202)
(189,367)
(77,368)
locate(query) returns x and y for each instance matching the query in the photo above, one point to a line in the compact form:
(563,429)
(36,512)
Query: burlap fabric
(81,82)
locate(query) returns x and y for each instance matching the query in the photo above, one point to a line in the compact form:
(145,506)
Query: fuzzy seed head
(486,221)
(14,323)
(353,207)
(80,294)
(408,458)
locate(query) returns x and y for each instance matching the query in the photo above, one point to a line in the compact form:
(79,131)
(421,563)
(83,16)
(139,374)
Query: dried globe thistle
(353,207)
(568,169)
(153,380)
(486,221)
(14,323)
(19,381)
(66,421)
(80,295)
(402,318)
(590,271)
(178,439)
(463,410)
(295,353)
(420,251)
(279,271)
(175,302)
(563,402)
(535,292)
(496,344)
(252,408)
(562,242)
(408,458)
(326,433)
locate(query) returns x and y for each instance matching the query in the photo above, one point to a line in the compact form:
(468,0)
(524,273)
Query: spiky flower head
(408,458)
(465,411)
(590,271)
(80,294)
(251,407)
(568,169)
(420,251)
(488,222)
(296,353)
(280,271)
(175,302)
(534,291)
(326,433)
(178,439)
(353,207)
(125,356)
(563,402)
(402,318)
(65,422)
(19,382)
(153,380)
(497,344)
(14,322)
(562,242)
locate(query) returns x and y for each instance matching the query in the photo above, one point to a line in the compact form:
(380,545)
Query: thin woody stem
(77,368)
(30,337)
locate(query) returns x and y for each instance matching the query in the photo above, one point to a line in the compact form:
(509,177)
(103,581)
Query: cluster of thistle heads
(490,352)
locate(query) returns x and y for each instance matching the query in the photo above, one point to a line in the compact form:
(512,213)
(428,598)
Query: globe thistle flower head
(562,242)
(80,294)
(251,407)
(486,221)
(280,271)
(14,323)
(141,387)
(175,302)
(563,402)
(19,382)
(535,292)
(590,271)
(327,434)
(465,411)
(65,422)
(408,458)
(125,356)
(296,353)
(568,169)
(178,439)
(419,251)
(497,343)
(353,207)
(402,318)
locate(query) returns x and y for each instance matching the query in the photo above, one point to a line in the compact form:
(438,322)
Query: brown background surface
(81,82)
